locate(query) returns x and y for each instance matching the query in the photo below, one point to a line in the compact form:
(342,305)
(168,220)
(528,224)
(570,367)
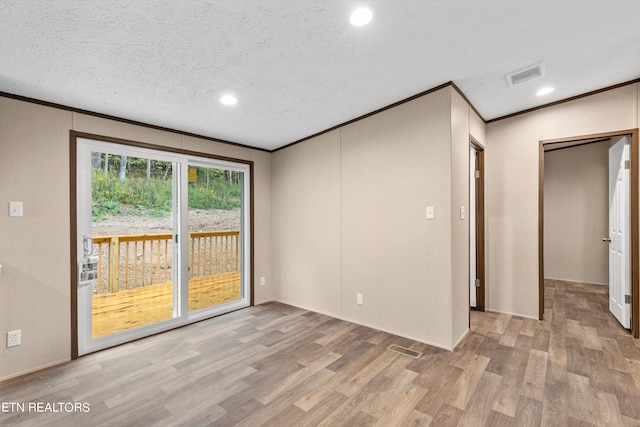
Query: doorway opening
(476,227)
(585,174)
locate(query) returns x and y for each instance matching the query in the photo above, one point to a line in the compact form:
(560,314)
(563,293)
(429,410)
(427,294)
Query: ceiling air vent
(526,74)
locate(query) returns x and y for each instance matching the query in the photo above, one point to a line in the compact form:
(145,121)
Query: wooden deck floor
(133,308)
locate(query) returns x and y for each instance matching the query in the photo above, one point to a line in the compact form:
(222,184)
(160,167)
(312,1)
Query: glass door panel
(132,234)
(215,229)
(128,261)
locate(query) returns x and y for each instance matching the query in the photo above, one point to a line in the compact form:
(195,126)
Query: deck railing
(134,261)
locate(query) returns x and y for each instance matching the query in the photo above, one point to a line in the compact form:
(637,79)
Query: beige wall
(339,225)
(605,111)
(35,249)
(576,213)
(477,128)
(306,224)
(460,131)
(394,164)
(511,184)
(511,160)
(374,179)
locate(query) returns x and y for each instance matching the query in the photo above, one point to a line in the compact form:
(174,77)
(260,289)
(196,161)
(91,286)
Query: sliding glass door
(132,231)
(215,236)
(163,240)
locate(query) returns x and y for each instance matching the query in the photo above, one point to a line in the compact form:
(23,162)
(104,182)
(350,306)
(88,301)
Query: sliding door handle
(87,246)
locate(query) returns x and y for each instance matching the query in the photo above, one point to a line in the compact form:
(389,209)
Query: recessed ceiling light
(229,100)
(544,91)
(361,17)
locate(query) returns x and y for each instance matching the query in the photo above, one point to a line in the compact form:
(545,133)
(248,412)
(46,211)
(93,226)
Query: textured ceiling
(299,67)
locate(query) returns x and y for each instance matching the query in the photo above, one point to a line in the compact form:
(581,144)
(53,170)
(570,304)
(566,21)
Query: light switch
(15,208)
(431,212)
(461,212)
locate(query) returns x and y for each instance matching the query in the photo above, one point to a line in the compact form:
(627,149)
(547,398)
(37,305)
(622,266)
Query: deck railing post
(114,264)
(238,252)
(190,261)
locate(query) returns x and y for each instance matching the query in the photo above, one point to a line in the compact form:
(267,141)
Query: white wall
(511,161)
(576,214)
(35,289)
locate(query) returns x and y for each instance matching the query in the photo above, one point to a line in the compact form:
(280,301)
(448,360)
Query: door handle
(87,245)
(606,239)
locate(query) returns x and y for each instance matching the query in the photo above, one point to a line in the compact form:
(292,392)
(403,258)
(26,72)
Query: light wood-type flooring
(276,365)
(132,308)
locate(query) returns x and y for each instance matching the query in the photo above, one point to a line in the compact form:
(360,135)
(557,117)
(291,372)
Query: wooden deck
(133,308)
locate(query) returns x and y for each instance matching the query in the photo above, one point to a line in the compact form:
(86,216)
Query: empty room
(246,213)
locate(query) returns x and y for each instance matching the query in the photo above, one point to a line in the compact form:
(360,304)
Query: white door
(619,230)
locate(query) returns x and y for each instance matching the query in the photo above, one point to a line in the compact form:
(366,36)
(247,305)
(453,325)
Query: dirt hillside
(199,220)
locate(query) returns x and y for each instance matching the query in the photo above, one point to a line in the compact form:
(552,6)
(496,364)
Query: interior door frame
(633,205)
(73,154)
(480,228)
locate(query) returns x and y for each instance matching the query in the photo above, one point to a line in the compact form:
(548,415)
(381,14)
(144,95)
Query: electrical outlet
(263,281)
(13,338)
(359,299)
(15,209)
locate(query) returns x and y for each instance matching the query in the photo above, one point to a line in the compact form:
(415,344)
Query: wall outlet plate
(431,212)
(13,338)
(15,209)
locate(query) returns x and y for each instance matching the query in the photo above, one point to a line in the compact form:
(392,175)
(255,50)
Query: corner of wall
(637,105)
(333,182)
(35,286)
(460,146)
(36,296)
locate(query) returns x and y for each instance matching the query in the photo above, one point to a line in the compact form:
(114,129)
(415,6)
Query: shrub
(153,196)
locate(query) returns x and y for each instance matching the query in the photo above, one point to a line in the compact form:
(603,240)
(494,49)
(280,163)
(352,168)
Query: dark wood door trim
(73,137)
(541,231)
(635,238)
(73,268)
(480,226)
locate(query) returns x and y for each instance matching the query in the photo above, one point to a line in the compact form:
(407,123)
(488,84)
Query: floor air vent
(405,351)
